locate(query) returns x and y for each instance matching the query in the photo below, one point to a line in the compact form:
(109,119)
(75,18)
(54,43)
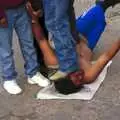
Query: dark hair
(66,86)
(107,3)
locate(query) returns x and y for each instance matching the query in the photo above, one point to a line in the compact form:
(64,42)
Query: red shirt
(8,4)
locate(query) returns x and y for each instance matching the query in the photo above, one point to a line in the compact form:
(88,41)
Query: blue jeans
(0,72)
(57,21)
(19,20)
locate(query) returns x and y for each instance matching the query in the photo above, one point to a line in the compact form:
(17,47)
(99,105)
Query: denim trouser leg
(18,19)
(6,51)
(73,21)
(0,72)
(58,23)
(24,32)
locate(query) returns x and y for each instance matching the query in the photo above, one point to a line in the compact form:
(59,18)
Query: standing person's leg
(0,71)
(57,22)
(73,21)
(63,39)
(7,61)
(24,31)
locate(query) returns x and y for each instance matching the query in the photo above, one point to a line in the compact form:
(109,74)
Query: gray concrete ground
(104,106)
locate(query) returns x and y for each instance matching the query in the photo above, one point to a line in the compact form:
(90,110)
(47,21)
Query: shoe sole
(13,93)
(34,83)
(31,82)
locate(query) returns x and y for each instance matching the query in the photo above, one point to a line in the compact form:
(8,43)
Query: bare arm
(93,71)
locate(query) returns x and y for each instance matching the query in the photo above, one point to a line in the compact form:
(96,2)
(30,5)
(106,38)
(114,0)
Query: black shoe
(52,72)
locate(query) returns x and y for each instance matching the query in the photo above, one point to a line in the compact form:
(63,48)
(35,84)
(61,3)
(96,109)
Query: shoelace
(51,71)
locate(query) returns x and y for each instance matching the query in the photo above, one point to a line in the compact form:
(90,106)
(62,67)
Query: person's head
(108,3)
(70,84)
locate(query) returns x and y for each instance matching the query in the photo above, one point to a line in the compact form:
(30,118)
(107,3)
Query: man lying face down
(90,72)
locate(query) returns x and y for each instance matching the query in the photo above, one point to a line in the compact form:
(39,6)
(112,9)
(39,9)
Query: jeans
(19,20)
(0,72)
(57,21)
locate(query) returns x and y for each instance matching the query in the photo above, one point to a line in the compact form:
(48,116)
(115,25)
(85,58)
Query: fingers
(29,8)
(33,13)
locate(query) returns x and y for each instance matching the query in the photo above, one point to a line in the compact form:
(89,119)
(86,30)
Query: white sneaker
(39,79)
(12,87)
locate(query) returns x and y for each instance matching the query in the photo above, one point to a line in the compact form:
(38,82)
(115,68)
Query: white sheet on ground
(87,93)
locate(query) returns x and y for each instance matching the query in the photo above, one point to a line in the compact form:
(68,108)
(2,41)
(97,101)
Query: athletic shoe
(55,74)
(39,79)
(12,87)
